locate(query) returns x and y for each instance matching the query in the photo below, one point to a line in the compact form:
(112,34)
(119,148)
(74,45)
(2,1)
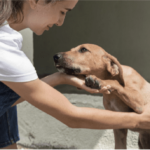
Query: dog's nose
(57,57)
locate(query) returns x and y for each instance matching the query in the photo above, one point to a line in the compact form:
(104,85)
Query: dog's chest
(146,93)
(112,102)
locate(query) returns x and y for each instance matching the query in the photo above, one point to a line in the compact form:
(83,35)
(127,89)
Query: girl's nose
(60,22)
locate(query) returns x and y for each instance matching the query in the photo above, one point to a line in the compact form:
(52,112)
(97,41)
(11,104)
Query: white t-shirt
(14,64)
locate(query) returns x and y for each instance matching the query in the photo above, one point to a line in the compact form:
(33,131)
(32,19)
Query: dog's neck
(105,75)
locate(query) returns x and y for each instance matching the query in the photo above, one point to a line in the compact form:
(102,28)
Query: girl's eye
(82,50)
(62,12)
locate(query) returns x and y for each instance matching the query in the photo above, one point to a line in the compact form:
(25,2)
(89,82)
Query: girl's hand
(77,81)
(144,118)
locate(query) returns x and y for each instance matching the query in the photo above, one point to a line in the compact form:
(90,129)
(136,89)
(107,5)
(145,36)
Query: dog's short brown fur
(129,91)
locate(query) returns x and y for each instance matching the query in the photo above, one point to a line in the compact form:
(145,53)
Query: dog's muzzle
(63,65)
(57,57)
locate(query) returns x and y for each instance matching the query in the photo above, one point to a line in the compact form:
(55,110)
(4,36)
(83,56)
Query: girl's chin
(38,32)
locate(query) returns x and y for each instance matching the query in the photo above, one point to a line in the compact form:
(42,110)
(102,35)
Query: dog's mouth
(68,70)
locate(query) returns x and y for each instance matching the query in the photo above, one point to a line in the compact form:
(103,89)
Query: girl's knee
(13,146)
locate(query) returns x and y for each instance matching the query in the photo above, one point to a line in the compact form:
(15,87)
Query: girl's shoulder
(10,36)
(14,64)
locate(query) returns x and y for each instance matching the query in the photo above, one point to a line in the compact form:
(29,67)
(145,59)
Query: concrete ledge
(39,130)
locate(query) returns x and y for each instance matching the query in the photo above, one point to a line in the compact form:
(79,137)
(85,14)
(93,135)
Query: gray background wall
(121,27)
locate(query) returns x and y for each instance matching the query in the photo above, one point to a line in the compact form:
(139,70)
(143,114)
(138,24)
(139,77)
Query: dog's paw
(96,83)
(92,82)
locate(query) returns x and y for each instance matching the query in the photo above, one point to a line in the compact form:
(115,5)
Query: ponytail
(5,10)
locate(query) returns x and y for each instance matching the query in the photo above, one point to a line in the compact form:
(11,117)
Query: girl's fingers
(90,90)
(108,86)
(106,89)
(80,83)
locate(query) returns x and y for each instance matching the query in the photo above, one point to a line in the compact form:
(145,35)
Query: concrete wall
(121,27)
(27,45)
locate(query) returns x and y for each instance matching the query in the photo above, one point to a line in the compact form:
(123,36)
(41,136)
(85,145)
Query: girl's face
(41,16)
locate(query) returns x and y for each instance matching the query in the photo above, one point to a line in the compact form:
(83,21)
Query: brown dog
(123,88)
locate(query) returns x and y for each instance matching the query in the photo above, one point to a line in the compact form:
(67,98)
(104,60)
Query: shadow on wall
(121,28)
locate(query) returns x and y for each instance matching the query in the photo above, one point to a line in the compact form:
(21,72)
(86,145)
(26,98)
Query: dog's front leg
(120,138)
(129,95)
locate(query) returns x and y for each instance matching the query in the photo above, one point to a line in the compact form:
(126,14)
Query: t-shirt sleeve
(14,64)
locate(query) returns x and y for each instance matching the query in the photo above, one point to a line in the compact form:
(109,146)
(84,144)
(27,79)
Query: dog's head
(89,59)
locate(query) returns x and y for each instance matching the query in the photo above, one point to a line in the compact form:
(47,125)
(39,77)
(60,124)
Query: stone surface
(39,130)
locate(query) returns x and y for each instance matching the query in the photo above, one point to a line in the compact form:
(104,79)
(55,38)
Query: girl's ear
(114,67)
(32,3)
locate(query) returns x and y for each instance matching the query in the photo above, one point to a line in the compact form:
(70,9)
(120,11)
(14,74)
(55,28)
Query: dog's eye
(82,50)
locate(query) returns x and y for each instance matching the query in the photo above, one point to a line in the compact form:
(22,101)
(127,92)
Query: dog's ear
(114,67)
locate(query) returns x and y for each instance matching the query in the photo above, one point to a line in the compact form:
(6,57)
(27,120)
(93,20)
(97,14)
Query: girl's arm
(47,99)
(60,78)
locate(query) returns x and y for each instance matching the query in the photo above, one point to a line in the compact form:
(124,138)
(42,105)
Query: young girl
(19,80)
